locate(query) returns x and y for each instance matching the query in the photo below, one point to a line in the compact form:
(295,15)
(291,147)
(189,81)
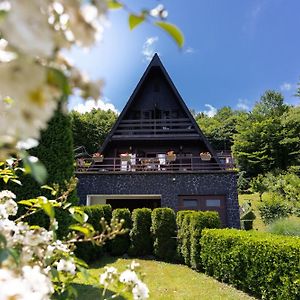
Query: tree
(257,143)
(259,185)
(91,128)
(220,128)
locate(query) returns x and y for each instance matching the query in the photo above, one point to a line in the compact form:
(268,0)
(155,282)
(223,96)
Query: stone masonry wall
(168,185)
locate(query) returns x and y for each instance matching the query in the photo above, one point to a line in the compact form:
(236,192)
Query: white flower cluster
(32,68)
(129,278)
(37,252)
(8,207)
(30,283)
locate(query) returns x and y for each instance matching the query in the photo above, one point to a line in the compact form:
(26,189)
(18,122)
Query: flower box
(125,157)
(205,156)
(97,157)
(171,157)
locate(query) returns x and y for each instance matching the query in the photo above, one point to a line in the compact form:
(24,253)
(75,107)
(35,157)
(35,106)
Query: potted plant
(125,156)
(171,156)
(97,157)
(205,156)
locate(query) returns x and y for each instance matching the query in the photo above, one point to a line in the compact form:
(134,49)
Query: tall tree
(91,128)
(257,144)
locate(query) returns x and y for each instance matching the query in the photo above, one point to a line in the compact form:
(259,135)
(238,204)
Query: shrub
(180,232)
(140,234)
(273,209)
(120,244)
(198,221)
(289,226)
(88,251)
(186,238)
(247,219)
(164,233)
(264,264)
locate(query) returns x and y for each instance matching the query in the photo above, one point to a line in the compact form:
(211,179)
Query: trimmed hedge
(87,251)
(264,264)
(200,220)
(181,232)
(120,244)
(164,233)
(140,235)
(186,238)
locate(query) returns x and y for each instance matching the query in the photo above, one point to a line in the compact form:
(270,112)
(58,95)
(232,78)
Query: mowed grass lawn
(165,281)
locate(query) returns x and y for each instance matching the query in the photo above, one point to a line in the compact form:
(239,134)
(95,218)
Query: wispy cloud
(189,50)
(243,104)
(149,47)
(286,86)
(254,15)
(210,111)
(89,105)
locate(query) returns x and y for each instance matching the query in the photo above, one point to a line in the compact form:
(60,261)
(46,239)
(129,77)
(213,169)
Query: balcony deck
(152,165)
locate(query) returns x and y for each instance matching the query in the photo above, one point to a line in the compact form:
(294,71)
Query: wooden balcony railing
(146,164)
(155,127)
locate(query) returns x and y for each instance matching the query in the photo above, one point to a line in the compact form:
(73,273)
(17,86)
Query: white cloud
(211,111)
(89,105)
(189,50)
(149,47)
(243,104)
(286,86)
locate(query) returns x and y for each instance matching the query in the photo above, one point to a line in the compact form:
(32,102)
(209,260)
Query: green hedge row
(264,264)
(163,230)
(120,244)
(88,251)
(140,234)
(190,225)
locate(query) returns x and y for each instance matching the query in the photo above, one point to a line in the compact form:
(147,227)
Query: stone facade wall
(168,185)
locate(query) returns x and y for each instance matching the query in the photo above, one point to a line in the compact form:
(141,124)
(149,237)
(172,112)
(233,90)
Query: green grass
(165,281)
(288,226)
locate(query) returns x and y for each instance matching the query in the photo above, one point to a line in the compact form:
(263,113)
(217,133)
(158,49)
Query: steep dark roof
(156,62)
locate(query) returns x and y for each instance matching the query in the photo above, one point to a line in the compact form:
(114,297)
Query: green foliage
(289,226)
(199,221)
(164,233)
(140,234)
(273,209)
(185,237)
(180,232)
(220,128)
(90,129)
(120,244)
(264,264)
(257,143)
(243,182)
(259,185)
(88,251)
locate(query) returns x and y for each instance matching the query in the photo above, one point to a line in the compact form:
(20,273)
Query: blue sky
(234,51)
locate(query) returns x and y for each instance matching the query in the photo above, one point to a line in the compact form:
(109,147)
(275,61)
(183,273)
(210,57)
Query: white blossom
(66,266)
(108,276)
(140,291)
(33,101)
(26,28)
(7,194)
(128,277)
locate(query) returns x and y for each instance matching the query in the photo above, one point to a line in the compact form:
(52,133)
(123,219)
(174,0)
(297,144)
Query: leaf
(4,254)
(36,168)
(114,4)
(16,181)
(48,209)
(173,31)
(58,79)
(81,229)
(135,20)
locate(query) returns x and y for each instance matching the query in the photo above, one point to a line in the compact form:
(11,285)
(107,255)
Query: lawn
(165,281)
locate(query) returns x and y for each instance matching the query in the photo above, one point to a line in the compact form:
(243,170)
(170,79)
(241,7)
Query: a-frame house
(156,155)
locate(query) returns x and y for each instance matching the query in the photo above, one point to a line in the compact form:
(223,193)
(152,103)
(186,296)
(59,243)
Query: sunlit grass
(165,281)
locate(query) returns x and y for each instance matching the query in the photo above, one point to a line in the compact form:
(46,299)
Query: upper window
(192,203)
(213,203)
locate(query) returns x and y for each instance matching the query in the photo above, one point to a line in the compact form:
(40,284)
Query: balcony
(162,128)
(132,164)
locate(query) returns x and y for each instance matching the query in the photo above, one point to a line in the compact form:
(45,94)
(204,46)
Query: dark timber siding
(169,186)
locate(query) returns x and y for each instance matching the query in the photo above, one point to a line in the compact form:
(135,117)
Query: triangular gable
(156,62)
